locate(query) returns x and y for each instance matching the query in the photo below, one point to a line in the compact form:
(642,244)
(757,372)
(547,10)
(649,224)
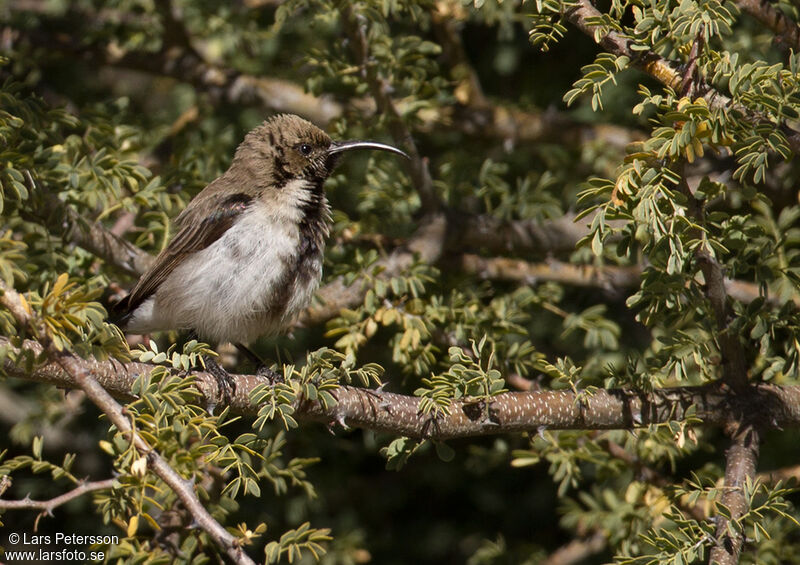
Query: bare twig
(47,506)
(691,79)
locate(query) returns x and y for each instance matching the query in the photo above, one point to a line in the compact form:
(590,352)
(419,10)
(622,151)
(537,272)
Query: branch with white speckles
(509,412)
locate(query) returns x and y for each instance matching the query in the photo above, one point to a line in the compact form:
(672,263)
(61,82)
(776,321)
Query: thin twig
(47,506)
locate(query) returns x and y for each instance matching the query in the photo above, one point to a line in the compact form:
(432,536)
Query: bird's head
(287,147)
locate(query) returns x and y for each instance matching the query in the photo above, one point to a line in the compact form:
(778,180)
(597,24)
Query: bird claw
(226,385)
(272,377)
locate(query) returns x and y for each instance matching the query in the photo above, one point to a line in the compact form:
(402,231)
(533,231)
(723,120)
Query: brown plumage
(247,255)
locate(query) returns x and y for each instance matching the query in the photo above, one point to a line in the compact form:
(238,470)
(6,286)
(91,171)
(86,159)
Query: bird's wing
(194,234)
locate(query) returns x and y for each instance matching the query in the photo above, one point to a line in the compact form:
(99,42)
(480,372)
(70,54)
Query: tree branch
(611,278)
(578,550)
(47,506)
(187,65)
(493,121)
(426,245)
(61,219)
(354,27)
(734,363)
(740,466)
(773,406)
(773,18)
(583,14)
(496,237)
(81,376)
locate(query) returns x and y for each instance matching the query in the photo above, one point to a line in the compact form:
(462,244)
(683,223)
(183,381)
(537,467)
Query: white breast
(240,287)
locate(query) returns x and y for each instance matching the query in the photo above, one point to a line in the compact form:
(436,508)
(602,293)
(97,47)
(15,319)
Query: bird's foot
(226,385)
(262,369)
(272,377)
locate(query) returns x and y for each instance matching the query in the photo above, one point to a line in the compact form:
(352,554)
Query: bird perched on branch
(247,255)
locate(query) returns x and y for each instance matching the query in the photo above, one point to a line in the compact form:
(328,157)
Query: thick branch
(740,466)
(399,414)
(611,278)
(496,237)
(773,18)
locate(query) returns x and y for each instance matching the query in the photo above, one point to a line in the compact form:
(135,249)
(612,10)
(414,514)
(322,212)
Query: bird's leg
(226,385)
(262,370)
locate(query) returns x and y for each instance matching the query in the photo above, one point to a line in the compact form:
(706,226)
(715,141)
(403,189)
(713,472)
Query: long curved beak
(342,146)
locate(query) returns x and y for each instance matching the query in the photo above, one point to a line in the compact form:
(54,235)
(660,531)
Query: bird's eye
(305,149)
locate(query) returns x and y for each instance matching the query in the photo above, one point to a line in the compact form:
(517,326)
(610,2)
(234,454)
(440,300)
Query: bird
(247,254)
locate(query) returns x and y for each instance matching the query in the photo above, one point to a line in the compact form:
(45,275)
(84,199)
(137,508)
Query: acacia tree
(591,257)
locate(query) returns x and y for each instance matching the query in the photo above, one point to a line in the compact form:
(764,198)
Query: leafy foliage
(113,114)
